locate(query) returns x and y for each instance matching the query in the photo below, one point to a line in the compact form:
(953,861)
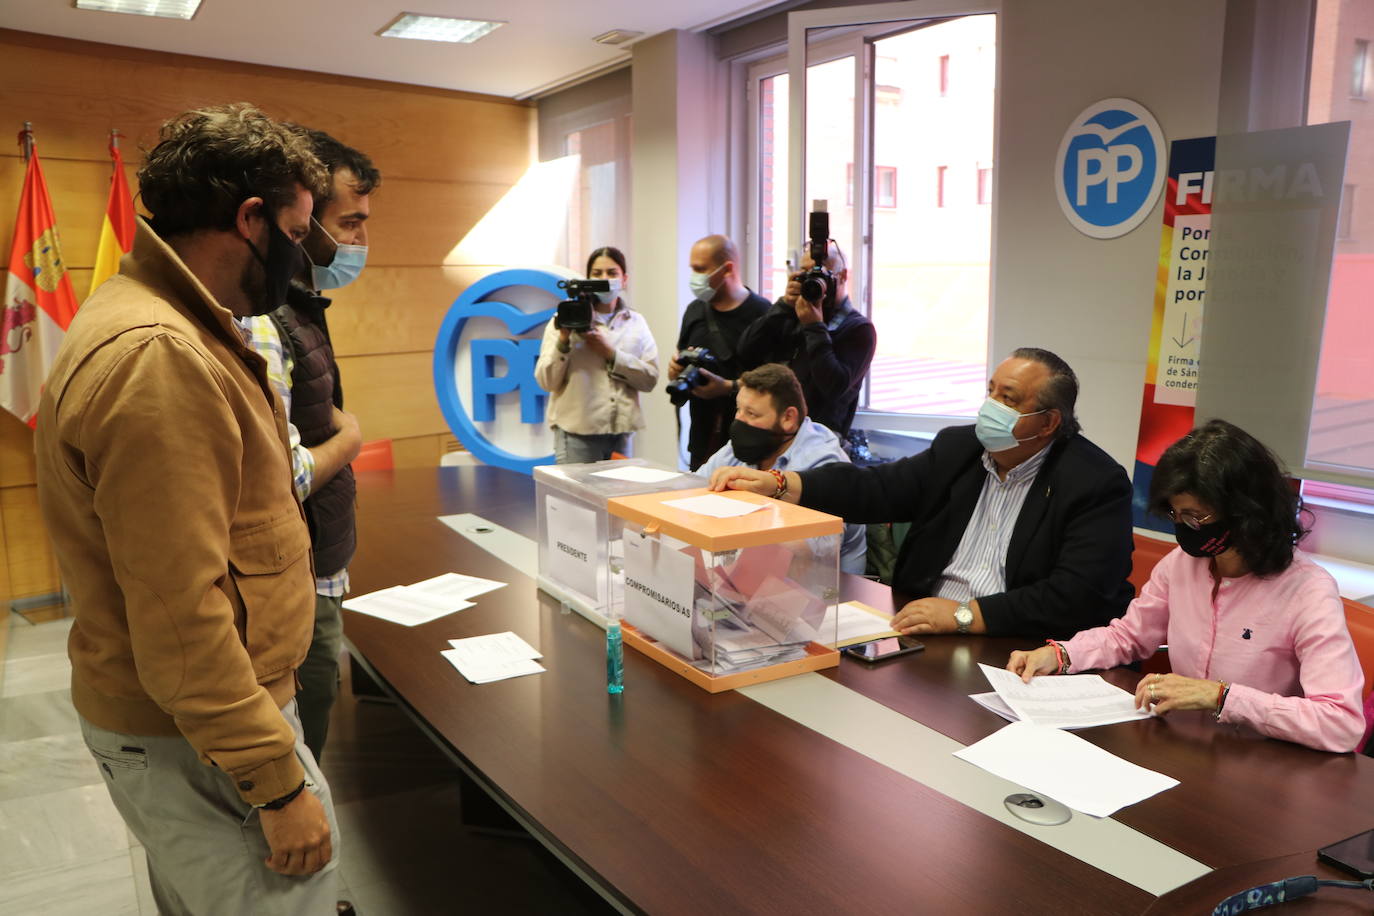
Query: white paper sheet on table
(1070,701)
(637,474)
(456,587)
(714,506)
(857,624)
(1063,766)
(494,657)
(405,605)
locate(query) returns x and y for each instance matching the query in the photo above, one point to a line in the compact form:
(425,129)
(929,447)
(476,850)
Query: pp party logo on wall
(1110,168)
(484,367)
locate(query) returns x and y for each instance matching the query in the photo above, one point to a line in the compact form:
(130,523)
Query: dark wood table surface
(669,799)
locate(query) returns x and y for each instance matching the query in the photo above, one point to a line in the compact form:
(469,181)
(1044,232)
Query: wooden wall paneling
(396,309)
(32,566)
(419,222)
(16,452)
(392,395)
(74,87)
(417,451)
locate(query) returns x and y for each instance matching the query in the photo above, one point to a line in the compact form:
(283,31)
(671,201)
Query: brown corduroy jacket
(165,483)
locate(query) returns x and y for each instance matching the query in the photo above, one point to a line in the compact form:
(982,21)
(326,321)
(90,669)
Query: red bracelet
(1223,690)
(1059,667)
(781,478)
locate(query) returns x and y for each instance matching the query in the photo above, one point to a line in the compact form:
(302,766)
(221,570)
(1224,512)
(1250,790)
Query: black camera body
(693,360)
(575,312)
(818,284)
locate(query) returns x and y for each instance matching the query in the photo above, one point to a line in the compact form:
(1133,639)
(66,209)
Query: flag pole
(26,141)
(114,138)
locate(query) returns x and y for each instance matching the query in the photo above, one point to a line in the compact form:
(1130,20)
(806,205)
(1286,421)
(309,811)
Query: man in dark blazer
(1019,525)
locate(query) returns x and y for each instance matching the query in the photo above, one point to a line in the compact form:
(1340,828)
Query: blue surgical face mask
(996,425)
(344,269)
(616,286)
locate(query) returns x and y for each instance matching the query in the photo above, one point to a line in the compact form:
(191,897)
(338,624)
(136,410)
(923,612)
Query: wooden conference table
(670,800)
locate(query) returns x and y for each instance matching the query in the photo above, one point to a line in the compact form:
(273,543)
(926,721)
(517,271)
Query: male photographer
(815,331)
(723,308)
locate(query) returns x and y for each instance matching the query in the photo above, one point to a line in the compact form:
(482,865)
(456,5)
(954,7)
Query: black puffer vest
(315,392)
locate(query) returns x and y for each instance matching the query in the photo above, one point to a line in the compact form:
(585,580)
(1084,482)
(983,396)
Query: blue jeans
(573,448)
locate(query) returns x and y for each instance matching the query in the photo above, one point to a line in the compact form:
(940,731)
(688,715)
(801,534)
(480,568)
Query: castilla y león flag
(117,229)
(38,304)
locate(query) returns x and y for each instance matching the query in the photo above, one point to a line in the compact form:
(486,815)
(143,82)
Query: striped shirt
(979,566)
(266,340)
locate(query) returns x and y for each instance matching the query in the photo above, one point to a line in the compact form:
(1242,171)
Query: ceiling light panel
(438,28)
(163,9)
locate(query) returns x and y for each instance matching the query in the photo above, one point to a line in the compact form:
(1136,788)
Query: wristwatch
(963,617)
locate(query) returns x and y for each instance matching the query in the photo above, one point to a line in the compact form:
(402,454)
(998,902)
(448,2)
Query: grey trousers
(319,673)
(575,448)
(206,849)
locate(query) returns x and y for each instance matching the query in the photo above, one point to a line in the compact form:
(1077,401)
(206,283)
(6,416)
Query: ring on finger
(1152,692)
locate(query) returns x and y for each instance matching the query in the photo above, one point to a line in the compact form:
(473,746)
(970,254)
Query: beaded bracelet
(781,478)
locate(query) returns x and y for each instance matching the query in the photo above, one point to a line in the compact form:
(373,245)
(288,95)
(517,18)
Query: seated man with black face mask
(772,432)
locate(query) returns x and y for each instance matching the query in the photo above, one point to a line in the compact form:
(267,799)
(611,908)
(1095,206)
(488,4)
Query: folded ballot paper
(495,657)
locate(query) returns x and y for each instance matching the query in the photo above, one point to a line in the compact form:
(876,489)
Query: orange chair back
(374,456)
(1359,619)
(1148,551)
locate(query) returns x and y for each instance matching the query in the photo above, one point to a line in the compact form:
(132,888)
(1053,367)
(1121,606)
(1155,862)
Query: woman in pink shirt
(1256,631)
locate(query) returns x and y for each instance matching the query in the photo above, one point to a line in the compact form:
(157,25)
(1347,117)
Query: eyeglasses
(1192,521)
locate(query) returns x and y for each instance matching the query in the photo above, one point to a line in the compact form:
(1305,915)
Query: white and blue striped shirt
(979,566)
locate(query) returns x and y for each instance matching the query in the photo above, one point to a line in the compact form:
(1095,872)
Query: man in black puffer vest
(294,340)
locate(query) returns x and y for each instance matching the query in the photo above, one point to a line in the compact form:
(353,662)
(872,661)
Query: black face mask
(752,444)
(283,262)
(1208,540)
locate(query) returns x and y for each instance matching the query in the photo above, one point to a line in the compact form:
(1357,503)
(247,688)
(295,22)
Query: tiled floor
(65,850)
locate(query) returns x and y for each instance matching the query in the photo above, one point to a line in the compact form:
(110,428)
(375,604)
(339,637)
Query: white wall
(1086,299)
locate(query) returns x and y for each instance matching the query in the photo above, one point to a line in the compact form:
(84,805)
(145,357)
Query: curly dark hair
(210,160)
(336,155)
(1237,477)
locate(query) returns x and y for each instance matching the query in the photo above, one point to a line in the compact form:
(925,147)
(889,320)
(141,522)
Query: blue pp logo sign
(484,367)
(1110,168)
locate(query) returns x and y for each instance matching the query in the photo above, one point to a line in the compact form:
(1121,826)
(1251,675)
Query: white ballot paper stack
(1066,768)
(1071,701)
(483,659)
(410,605)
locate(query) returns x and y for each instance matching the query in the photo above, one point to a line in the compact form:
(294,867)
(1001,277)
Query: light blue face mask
(614,294)
(700,285)
(344,269)
(996,425)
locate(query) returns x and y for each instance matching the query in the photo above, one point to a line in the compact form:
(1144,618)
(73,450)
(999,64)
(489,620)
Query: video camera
(818,284)
(693,360)
(575,312)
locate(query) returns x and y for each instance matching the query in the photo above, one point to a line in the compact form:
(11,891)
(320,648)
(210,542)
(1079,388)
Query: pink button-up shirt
(1280,642)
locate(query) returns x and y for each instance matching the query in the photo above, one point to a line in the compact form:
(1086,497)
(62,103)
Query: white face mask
(700,285)
(617,285)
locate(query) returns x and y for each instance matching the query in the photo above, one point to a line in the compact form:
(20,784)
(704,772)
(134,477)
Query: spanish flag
(117,232)
(38,304)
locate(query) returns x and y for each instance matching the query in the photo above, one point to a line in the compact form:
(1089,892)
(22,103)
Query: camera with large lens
(575,312)
(692,360)
(818,284)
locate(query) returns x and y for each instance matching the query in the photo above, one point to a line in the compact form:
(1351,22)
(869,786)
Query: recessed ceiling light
(438,28)
(165,9)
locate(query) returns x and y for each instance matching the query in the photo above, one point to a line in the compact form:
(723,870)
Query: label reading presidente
(571,547)
(1110,168)
(659,587)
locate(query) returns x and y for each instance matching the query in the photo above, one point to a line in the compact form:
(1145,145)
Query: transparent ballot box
(731,588)
(580,549)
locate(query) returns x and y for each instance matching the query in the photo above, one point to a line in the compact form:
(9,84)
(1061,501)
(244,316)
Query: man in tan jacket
(165,483)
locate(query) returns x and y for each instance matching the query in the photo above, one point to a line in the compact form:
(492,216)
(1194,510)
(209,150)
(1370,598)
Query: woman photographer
(594,377)
(1256,630)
